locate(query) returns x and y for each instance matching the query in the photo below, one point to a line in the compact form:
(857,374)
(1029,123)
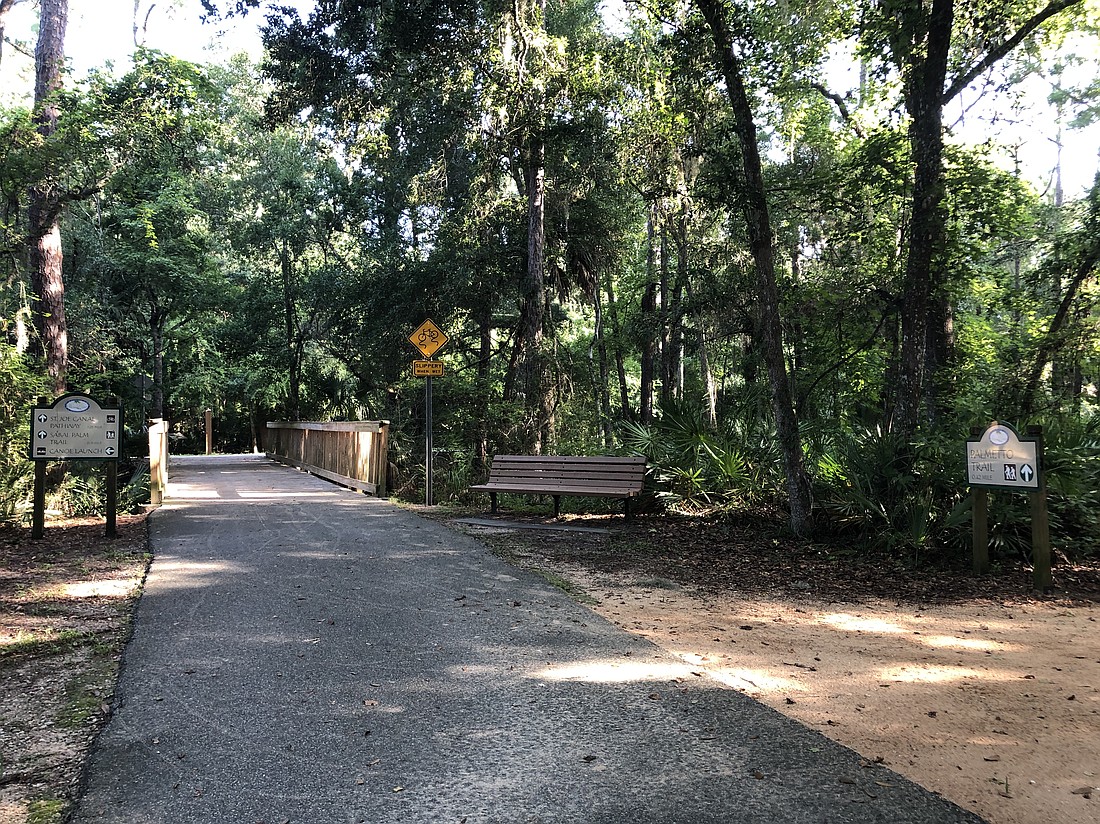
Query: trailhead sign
(1001,459)
(76,427)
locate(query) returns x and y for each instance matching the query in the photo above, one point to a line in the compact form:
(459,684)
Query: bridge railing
(352,453)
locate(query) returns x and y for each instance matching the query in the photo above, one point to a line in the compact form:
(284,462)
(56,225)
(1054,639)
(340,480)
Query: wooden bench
(557,475)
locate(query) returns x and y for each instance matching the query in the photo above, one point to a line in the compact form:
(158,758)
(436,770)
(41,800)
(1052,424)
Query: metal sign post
(429,339)
(74,427)
(429,495)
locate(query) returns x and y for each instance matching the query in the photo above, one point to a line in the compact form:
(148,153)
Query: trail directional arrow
(42,434)
(43,418)
(1027,473)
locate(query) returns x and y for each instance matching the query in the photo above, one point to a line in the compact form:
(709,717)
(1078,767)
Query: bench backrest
(598,472)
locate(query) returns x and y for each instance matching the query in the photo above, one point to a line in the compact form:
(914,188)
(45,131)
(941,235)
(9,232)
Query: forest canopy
(762,244)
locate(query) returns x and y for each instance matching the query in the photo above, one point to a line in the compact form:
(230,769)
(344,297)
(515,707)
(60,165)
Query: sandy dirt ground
(995,706)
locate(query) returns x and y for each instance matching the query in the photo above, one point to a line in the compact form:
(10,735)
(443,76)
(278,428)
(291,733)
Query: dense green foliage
(570,205)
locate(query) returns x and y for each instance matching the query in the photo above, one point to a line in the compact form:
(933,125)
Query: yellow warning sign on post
(428,338)
(427,369)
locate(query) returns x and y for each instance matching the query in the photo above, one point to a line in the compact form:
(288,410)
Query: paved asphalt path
(306,654)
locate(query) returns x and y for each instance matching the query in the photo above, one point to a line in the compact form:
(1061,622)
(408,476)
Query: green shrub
(698,469)
(20,386)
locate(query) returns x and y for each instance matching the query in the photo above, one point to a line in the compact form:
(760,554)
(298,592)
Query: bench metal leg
(557,506)
(626,508)
(493,503)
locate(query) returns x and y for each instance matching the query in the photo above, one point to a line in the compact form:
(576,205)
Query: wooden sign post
(75,427)
(998,458)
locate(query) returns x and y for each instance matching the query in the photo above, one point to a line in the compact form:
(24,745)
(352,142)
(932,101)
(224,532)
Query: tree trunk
(617,337)
(44,208)
(649,325)
(294,365)
(603,389)
(675,311)
(485,354)
(927,73)
(758,224)
(705,371)
(525,384)
(664,321)
(157,321)
(921,50)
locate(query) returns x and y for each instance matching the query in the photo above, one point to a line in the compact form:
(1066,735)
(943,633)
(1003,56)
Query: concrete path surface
(306,654)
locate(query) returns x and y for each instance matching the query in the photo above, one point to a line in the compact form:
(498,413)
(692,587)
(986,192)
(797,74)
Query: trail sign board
(428,338)
(1001,459)
(76,427)
(427,369)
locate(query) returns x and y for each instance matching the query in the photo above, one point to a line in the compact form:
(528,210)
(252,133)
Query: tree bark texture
(924,76)
(525,374)
(45,256)
(485,354)
(758,224)
(921,51)
(604,374)
(705,371)
(157,321)
(293,337)
(649,324)
(620,361)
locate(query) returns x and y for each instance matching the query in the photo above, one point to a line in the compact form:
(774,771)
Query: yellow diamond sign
(428,338)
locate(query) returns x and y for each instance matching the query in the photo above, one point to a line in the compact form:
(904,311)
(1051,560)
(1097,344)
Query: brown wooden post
(38,514)
(980,506)
(209,416)
(112,498)
(979,512)
(1043,578)
(382,460)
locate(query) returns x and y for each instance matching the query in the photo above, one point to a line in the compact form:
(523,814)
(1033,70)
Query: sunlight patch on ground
(969,644)
(854,623)
(195,573)
(749,680)
(190,492)
(931,673)
(100,589)
(614,672)
(755,680)
(252,495)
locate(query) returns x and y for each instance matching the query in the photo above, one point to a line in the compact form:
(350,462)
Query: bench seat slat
(549,477)
(581,491)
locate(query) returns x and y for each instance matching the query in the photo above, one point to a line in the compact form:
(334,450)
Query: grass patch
(46,811)
(84,693)
(565,585)
(657,583)
(516,554)
(49,642)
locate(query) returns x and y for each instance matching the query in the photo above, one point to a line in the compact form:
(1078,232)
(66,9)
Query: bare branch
(1053,8)
(841,106)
